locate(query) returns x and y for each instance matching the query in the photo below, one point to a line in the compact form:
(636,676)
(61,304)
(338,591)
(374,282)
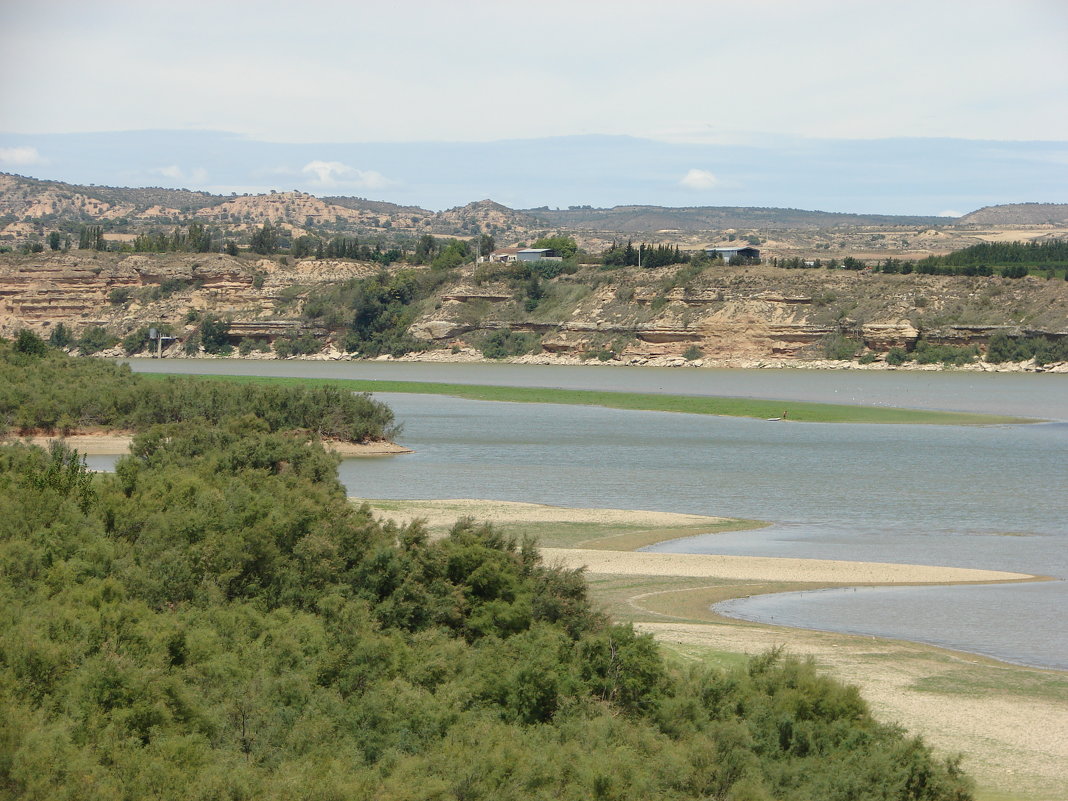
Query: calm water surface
(990,497)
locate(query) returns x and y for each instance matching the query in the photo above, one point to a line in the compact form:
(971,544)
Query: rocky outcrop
(122,292)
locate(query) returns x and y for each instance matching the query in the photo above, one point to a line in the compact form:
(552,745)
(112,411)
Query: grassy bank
(797,411)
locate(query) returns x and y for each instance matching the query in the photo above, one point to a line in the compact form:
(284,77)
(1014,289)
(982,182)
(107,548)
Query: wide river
(989,497)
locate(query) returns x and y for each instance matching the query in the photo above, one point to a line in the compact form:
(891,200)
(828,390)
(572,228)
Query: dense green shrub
(216,620)
(837,346)
(955,355)
(897,356)
(96,393)
(95,339)
(1005,348)
(215,335)
(502,344)
(373,313)
(120,295)
(292,345)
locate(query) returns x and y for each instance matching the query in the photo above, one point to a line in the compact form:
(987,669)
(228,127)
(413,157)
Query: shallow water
(988,497)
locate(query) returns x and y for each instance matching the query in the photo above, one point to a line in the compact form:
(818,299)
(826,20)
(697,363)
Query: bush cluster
(57,391)
(1005,348)
(215,620)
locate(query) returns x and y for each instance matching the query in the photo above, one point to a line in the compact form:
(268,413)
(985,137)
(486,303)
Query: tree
(60,336)
(198,240)
(230,247)
(92,238)
(564,245)
(29,343)
(486,244)
(452,255)
(215,334)
(425,249)
(54,240)
(265,240)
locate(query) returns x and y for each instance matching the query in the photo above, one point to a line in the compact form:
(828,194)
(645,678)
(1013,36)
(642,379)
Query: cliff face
(726,312)
(83,289)
(739,313)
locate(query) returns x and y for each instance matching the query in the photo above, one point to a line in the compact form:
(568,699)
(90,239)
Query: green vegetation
(373,313)
(293,345)
(94,339)
(502,344)
(215,620)
(1005,348)
(842,348)
(688,404)
(644,256)
(565,246)
(54,391)
(196,239)
(1007,259)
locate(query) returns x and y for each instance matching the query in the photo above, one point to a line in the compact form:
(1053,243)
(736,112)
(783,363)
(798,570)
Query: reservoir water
(988,497)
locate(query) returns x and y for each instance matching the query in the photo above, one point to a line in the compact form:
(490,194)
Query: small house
(502,255)
(736,253)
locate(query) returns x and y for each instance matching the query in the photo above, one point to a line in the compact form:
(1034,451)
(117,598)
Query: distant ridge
(642,219)
(29,205)
(1018,214)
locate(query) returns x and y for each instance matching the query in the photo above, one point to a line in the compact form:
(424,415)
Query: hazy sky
(318,70)
(726,72)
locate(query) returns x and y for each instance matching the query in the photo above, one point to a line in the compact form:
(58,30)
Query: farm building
(735,253)
(501,255)
(536,254)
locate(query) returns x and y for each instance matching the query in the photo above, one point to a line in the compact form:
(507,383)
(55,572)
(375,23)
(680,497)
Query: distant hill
(31,208)
(1018,214)
(648,219)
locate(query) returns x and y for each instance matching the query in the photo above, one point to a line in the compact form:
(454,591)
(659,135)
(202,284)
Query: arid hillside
(720,314)
(31,210)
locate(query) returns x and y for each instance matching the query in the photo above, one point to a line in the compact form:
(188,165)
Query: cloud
(699,180)
(176,173)
(334,173)
(21,156)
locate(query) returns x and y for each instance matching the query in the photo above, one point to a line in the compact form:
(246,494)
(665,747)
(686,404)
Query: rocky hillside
(1018,214)
(724,315)
(32,209)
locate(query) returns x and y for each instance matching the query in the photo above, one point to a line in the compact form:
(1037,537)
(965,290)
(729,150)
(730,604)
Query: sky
(713,74)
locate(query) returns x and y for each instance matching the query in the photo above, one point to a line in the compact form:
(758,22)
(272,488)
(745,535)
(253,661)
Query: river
(989,497)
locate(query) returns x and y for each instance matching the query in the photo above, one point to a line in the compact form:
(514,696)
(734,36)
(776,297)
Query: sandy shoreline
(1010,723)
(769,568)
(116,444)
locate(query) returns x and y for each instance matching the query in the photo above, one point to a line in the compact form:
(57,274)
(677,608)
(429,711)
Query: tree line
(45,390)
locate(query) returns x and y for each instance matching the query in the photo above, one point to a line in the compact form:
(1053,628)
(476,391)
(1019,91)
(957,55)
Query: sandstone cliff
(726,313)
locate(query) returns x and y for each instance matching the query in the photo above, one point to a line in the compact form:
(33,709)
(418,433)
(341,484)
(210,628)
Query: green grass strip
(798,411)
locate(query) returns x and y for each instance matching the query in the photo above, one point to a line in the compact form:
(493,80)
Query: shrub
(215,335)
(897,356)
(692,353)
(838,347)
(95,339)
(502,344)
(120,295)
(293,345)
(29,343)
